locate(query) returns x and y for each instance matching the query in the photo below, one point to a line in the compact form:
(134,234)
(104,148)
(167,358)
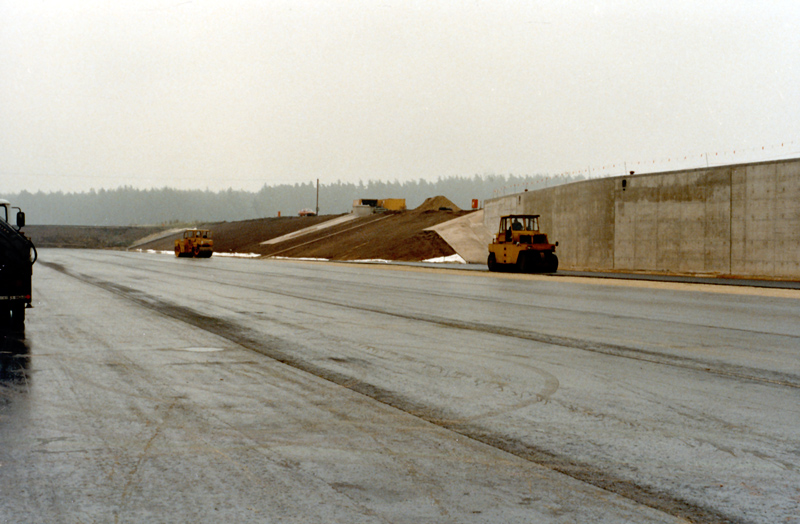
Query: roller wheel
(492,262)
(552,263)
(522,265)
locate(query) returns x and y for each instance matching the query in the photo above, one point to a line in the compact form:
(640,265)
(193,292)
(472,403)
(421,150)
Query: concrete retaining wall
(741,220)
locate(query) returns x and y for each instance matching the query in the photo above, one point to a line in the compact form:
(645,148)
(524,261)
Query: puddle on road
(14,358)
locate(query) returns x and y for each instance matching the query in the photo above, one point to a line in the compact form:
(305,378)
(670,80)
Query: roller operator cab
(519,246)
(17,256)
(195,243)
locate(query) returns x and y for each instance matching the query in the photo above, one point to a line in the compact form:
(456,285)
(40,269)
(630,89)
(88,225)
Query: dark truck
(17,256)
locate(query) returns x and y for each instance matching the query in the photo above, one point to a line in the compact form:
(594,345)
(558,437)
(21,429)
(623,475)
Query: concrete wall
(741,220)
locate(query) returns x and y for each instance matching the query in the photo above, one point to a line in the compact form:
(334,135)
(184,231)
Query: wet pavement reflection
(14,362)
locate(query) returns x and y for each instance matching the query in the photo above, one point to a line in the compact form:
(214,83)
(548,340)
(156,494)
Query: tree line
(130,206)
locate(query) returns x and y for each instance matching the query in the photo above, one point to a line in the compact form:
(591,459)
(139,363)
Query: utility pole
(317,210)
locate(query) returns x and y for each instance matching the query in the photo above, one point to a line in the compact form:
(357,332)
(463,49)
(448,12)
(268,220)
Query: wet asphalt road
(152,389)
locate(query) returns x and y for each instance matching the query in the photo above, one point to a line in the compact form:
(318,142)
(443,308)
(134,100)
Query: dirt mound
(436,203)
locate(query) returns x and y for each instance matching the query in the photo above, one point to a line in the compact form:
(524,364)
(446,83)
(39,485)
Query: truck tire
(18,317)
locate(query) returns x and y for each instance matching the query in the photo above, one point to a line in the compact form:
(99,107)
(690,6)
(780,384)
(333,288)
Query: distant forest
(126,206)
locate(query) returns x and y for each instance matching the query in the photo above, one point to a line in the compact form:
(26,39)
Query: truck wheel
(18,317)
(492,262)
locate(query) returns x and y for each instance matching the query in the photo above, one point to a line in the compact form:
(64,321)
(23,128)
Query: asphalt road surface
(153,389)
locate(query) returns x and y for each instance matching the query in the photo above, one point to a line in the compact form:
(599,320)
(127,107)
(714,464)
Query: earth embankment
(388,236)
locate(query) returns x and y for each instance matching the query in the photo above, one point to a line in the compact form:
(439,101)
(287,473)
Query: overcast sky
(225,93)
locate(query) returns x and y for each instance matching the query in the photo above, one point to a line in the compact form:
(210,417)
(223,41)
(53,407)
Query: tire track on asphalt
(287,353)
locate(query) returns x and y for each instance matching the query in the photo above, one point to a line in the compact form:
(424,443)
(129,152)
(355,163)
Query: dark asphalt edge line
(639,494)
(725,281)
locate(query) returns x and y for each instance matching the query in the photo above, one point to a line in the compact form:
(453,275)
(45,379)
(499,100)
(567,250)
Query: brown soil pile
(437,203)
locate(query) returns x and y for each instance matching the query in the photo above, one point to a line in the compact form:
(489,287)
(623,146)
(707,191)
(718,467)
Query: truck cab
(5,215)
(520,246)
(17,256)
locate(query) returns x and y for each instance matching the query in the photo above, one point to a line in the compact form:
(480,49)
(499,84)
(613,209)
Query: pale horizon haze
(212,94)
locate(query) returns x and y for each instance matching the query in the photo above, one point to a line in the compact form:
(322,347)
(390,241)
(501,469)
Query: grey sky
(219,93)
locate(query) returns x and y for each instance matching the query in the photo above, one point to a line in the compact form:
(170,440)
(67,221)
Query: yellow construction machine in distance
(195,243)
(519,246)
